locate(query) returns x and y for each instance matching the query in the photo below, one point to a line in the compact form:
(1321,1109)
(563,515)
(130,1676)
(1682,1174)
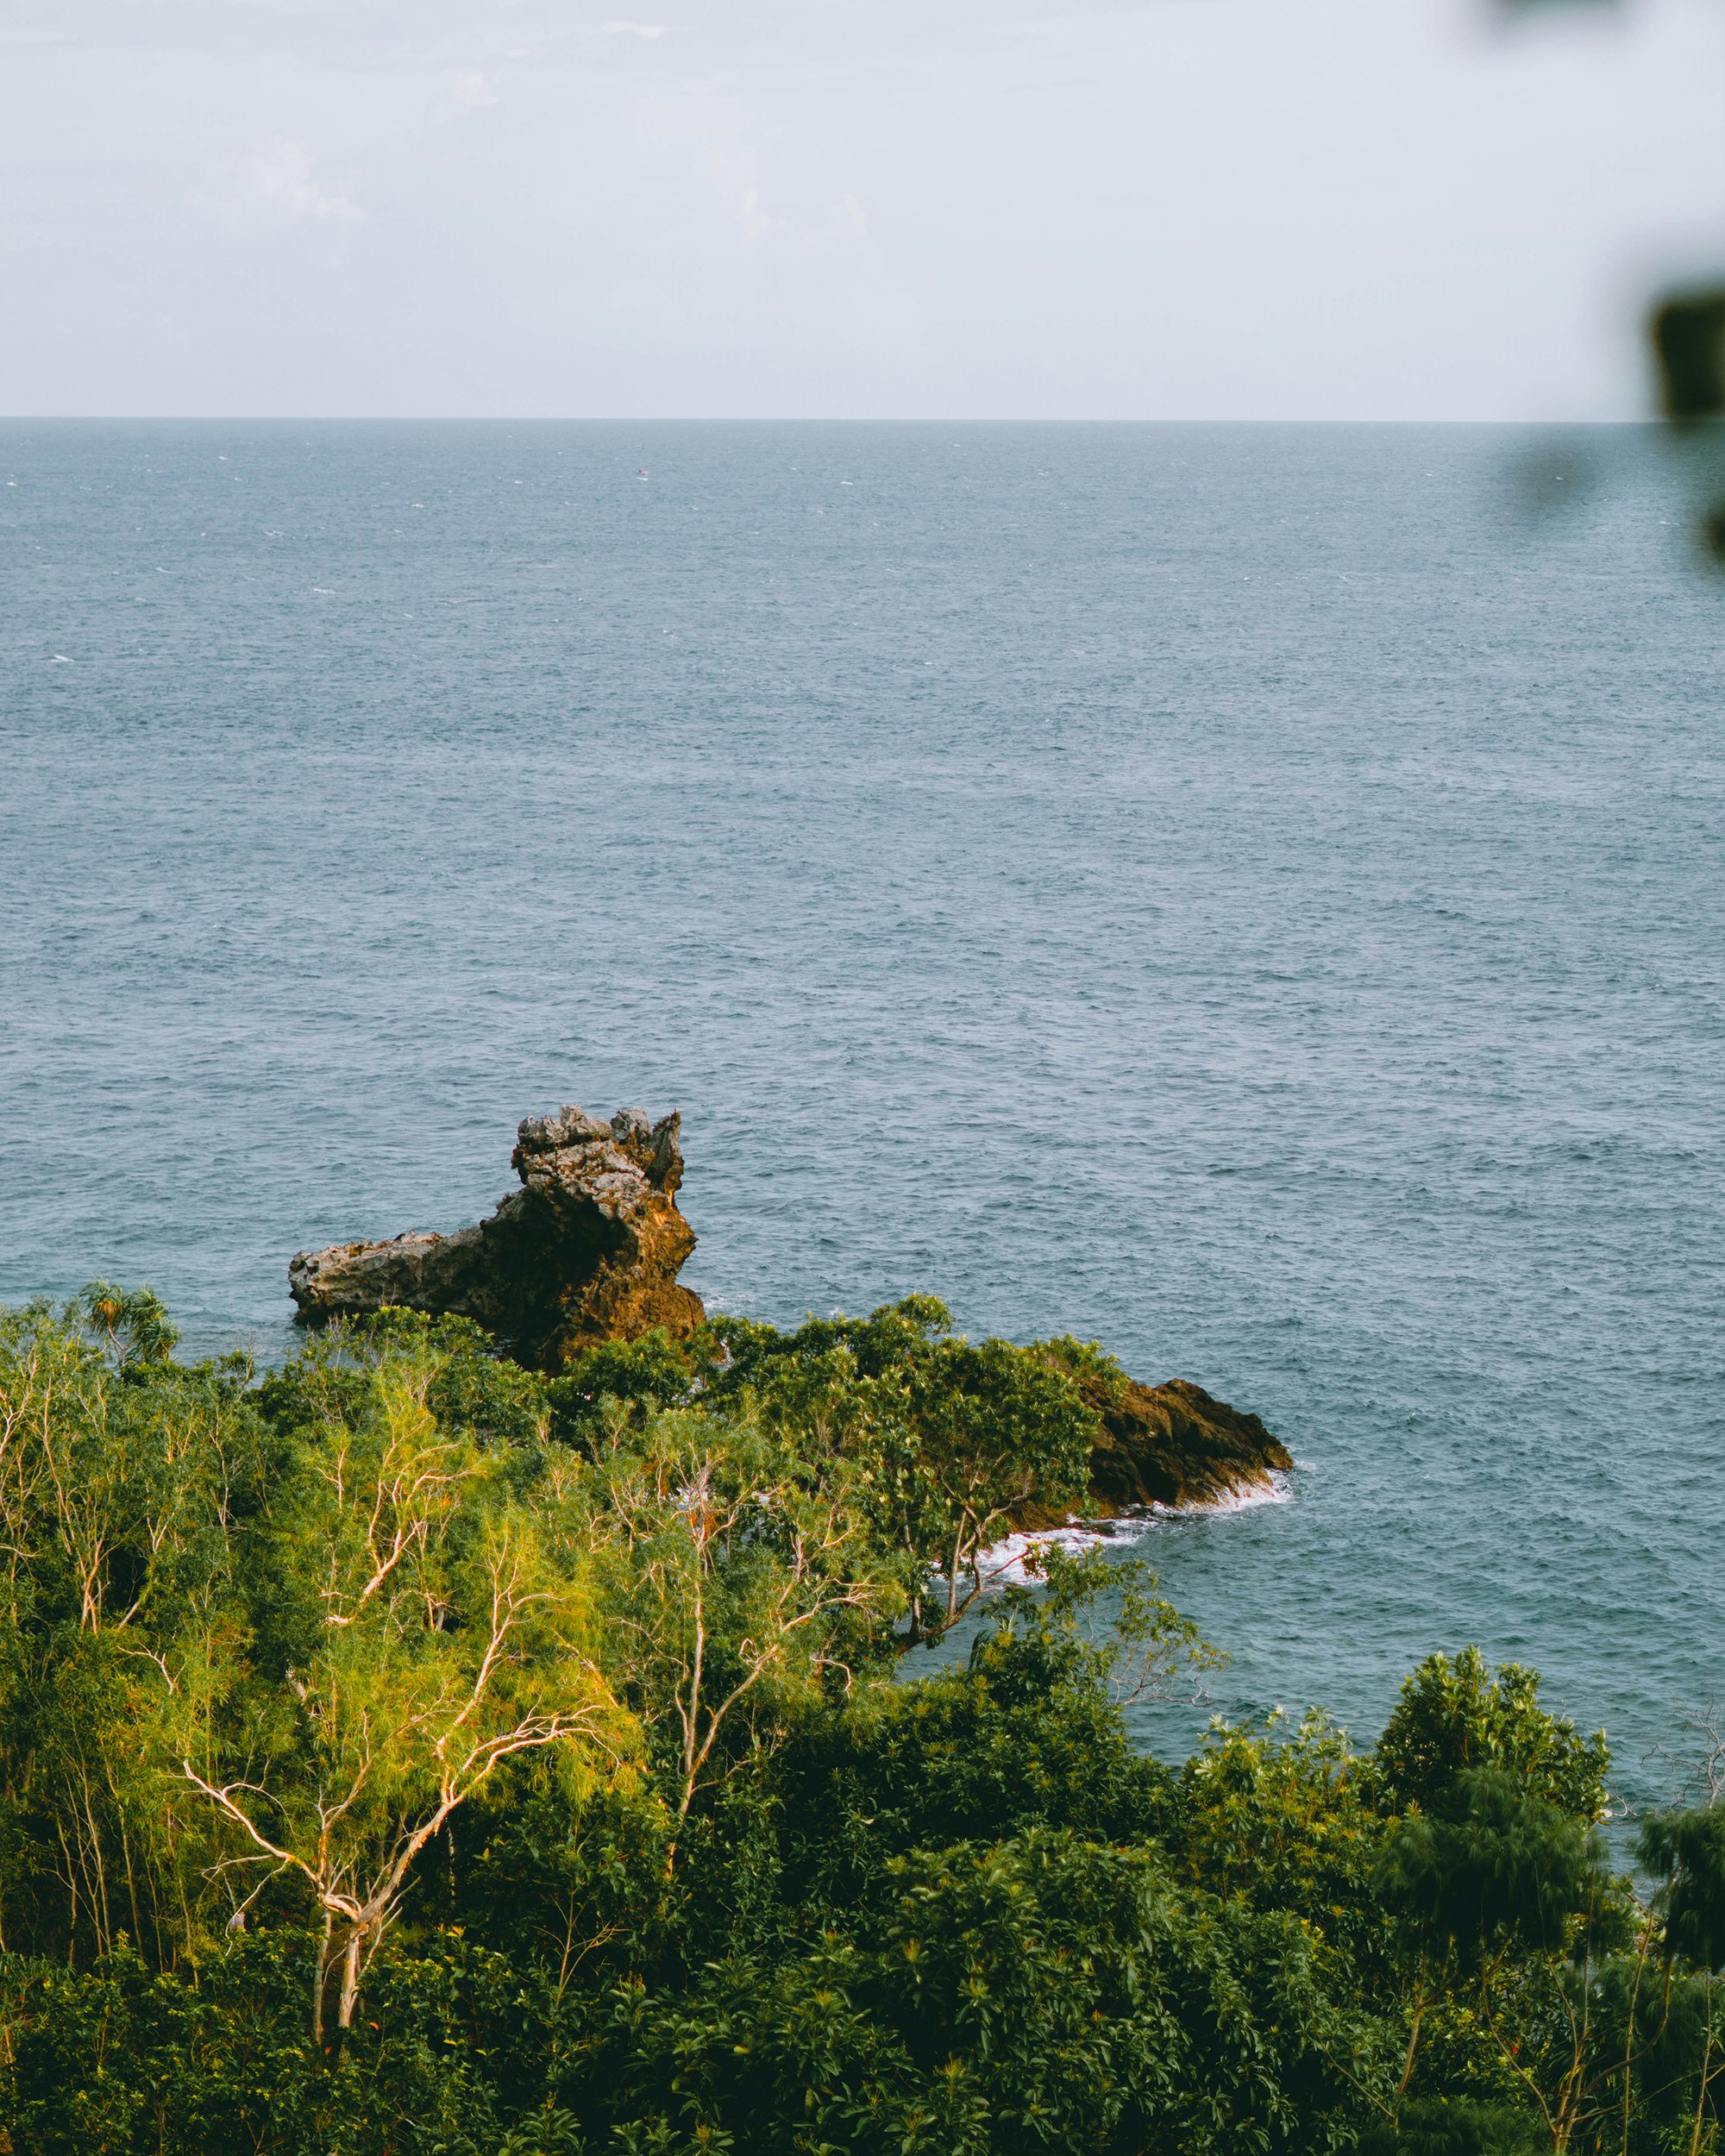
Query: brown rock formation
(1174,1444)
(589,1248)
(1163,1444)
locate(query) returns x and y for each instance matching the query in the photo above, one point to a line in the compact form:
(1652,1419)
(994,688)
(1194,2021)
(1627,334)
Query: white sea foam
(1276,1491)
(1003,1562)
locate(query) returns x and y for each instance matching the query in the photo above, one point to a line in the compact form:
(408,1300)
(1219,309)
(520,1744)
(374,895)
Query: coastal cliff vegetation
(407,1752)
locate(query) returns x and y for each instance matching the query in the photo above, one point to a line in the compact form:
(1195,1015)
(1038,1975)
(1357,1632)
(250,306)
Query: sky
(892,209)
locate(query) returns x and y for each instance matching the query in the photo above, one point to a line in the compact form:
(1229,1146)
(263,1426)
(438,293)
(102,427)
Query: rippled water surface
(1218,889)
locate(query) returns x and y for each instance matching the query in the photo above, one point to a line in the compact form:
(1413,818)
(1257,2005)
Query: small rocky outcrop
(1174,1444)
(1163,1445)
(587,1249)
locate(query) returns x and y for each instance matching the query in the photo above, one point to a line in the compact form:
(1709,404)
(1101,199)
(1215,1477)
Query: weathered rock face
(1163,1445)
(588,1249)
(1175,1444)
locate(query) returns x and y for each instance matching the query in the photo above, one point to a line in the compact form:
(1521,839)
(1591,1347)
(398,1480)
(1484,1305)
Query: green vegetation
(404,1755)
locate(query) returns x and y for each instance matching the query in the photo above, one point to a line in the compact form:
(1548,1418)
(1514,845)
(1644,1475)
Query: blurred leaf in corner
(1689,343)
(1687,332)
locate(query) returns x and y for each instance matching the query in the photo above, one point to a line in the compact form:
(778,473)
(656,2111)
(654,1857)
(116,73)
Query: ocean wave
(1278,1490)
(1003,1563)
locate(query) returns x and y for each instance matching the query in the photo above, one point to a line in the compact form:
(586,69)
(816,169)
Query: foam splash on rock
(1004,1563)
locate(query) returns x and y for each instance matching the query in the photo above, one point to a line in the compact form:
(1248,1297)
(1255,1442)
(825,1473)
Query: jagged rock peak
(588,1249)
(571,1125)
(635,1140)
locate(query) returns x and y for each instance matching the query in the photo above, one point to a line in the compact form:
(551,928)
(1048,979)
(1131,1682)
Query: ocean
(1244,895)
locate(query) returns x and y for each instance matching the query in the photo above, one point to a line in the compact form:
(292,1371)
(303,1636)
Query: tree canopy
(400,1751)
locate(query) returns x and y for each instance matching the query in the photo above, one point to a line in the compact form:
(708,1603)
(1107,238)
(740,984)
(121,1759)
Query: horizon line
(748,419)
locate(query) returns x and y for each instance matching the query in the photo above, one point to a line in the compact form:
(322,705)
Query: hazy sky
(1172,209)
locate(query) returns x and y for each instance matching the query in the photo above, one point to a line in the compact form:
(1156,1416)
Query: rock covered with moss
(587,1249)
(1175,1444)
(1167,1444)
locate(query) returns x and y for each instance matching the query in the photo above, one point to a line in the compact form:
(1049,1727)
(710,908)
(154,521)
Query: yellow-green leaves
(740,1575)
(427,1621)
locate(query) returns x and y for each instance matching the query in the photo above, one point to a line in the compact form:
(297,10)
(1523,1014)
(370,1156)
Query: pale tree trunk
(320,1976)
(348,1957)
(350,1979)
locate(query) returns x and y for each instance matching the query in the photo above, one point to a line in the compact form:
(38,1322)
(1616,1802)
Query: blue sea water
(1234,893)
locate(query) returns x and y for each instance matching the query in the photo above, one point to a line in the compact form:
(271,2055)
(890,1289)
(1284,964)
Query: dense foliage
(402,1753)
